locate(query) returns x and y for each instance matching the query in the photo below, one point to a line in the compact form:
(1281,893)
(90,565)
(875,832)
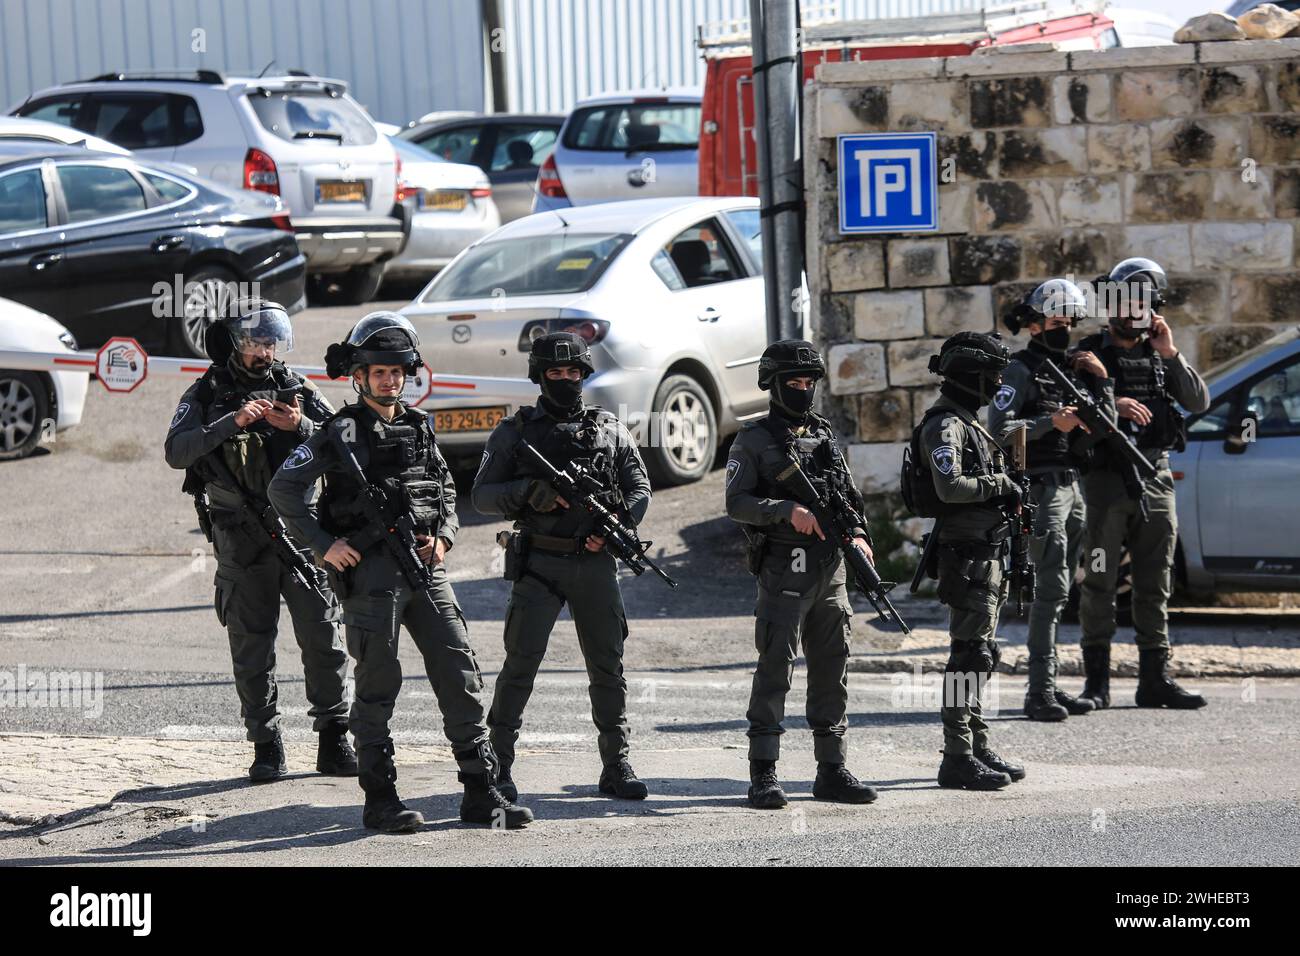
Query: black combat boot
(965,772)
(378,778)
(268,761)
(990,759)
(1042,705)
(765,791)
(1156,688)
(1096,675)
(619,780)
(1075,706)
(484,803)
(334,755)
(506,783)
(835,783)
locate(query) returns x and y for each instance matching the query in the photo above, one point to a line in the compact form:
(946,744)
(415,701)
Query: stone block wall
(1052,163)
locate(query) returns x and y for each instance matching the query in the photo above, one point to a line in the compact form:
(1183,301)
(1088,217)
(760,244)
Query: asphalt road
(102,570)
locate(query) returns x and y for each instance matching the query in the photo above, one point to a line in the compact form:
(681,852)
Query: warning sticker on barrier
(121,364)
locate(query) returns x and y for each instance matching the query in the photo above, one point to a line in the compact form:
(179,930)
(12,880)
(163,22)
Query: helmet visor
(265,332)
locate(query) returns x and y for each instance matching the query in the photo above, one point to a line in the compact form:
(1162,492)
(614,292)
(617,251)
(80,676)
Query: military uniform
(1115,518)
(250,579)
(398,457)
(955,469)
(1028,398)
(969,472)
(560,569)
(802,597)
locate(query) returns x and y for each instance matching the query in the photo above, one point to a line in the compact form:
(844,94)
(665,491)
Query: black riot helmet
(783,361)
(559,350)
(380,338)
(971,364)
(1055,297)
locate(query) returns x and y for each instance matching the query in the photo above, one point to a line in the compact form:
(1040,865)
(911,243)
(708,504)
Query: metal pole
(496,64)
(777,83)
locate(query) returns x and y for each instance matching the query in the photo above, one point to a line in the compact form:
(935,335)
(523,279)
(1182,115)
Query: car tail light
(481,192)
(591,330)
(548,180)
(401,190)
(260,173)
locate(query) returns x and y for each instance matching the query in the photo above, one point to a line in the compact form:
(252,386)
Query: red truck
(728,154)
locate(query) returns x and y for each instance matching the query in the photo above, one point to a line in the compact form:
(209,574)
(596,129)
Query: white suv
(298,136)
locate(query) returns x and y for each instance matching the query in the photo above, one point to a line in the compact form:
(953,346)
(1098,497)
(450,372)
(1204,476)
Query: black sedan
(113,245)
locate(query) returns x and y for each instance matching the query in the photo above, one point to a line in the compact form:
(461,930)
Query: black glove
(541,496)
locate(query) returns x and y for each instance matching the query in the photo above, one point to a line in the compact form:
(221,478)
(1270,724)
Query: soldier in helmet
(554,555)
(1055,448)
(1151,378)
(231,431)
(400,464)
(802,598)
(973,492)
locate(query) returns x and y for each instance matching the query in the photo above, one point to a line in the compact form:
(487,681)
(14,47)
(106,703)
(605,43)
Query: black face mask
(973,390)
(1054,340)
(797,402)
(562,392)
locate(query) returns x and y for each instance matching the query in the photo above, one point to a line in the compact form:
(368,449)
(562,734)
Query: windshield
(299,116)
(528,265)
(642,127)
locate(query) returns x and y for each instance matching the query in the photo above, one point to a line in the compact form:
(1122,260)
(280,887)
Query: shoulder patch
(733,469)
(944,458)
(182,410)
(1005,395)
(300,456)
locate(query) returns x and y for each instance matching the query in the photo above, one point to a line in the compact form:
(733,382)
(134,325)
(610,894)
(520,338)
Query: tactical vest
(819,457)
(978,457)
(565,441)
(400,461)
(1139,373)
(1052,450)
(252,454)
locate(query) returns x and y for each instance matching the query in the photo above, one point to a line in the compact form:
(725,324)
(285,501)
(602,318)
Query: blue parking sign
(889,182)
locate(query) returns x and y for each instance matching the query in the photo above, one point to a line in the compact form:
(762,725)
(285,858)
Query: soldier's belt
(1067,476)
(974,550)
(553,545)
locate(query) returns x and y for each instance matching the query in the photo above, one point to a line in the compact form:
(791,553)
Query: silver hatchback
(668,292)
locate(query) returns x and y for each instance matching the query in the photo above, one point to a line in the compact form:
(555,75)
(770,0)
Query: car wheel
(24,408)
(219,287)
(358,286)
(684,432)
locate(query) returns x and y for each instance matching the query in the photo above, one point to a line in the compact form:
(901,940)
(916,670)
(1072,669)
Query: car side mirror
(1241,433)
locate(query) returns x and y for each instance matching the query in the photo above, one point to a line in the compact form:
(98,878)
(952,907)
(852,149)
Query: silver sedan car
(453,206)
(668,292)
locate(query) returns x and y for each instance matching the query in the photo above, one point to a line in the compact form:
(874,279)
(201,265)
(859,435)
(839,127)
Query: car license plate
(468,419)
(444,200)
(334,191)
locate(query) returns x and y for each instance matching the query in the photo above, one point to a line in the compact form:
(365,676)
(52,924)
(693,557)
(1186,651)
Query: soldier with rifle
(569,476)
(231,431)
(1151,380)
(387,522)
(1043,409)
(783,474)
(955,471)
